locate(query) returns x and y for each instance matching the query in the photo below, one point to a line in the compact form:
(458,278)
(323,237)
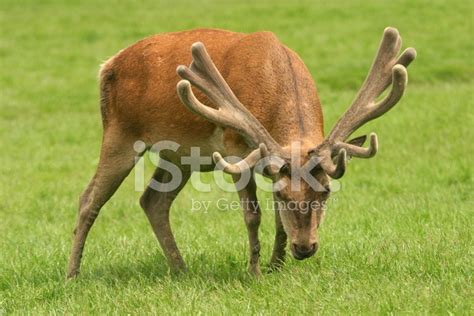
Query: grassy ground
(397,237)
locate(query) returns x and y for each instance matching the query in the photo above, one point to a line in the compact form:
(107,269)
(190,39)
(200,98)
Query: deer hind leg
(157,203)
(116,162)
(252,218)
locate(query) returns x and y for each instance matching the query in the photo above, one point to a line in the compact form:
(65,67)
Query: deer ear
(358,141)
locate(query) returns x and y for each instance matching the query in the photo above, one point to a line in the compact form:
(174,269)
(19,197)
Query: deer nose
(301,252)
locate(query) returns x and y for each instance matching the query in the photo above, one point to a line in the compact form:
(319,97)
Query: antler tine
(204,75)
(203,65)
(228,111)
(244,165)
(377,79)
(399,83)
(405,59)
(357,151)
(188,98)
(338,169)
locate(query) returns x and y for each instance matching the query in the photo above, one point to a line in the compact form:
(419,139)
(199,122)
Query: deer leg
(252,217)
(116,162)
(278,254)
(156,205)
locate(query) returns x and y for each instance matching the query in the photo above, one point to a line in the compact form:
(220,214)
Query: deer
(252,100)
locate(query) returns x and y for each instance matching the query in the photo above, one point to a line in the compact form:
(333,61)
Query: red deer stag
(261,98)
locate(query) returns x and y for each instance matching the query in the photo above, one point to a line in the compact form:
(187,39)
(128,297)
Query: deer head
(326,160)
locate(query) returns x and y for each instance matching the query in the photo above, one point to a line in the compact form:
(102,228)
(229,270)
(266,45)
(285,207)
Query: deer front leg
(252,217)
(278,255)
(156,205)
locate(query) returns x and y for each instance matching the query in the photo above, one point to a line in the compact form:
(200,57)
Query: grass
(397,237)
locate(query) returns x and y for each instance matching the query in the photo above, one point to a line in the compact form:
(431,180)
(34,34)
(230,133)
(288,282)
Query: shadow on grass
(202,267)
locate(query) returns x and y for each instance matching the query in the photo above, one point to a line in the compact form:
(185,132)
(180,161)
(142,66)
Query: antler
(386,69)
(243,165)
(229,112)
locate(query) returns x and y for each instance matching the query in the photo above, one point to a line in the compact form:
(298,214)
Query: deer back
(138,89)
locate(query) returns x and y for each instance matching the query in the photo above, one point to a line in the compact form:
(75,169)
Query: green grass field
(396,239)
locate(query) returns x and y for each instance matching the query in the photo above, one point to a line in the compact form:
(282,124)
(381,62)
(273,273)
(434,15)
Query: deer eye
(285,169)
(279,195)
